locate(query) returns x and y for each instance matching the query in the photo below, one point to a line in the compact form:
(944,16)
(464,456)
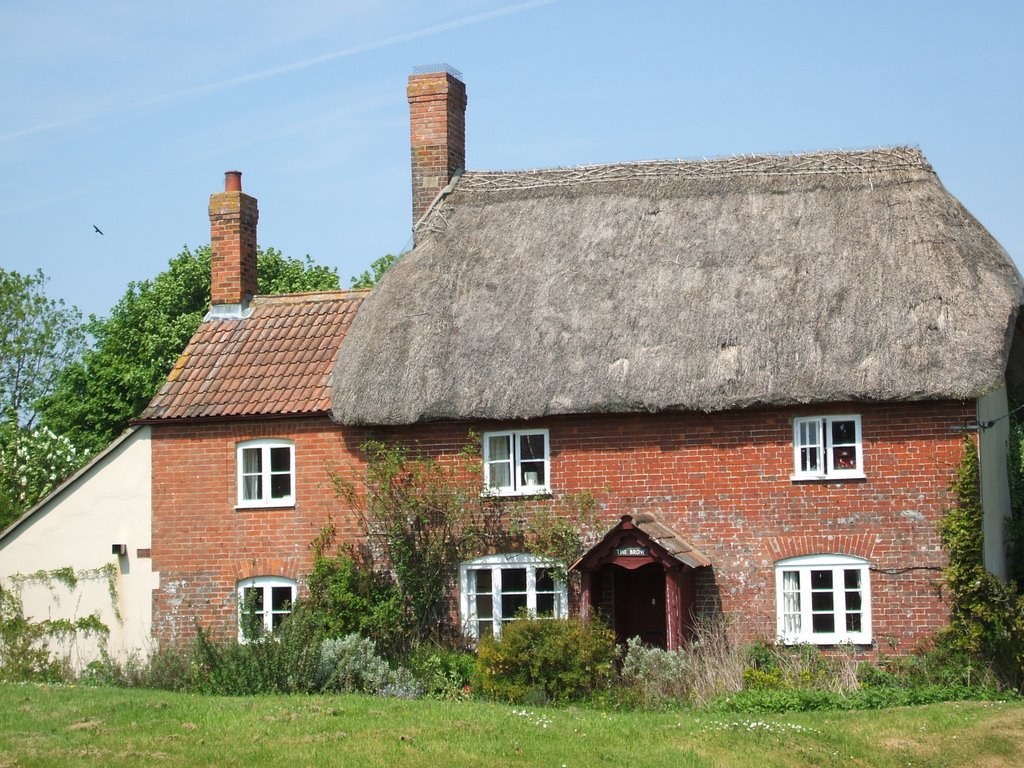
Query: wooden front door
(640,604)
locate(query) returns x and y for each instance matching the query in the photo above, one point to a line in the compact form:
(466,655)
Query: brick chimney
(437,122)
(233,217)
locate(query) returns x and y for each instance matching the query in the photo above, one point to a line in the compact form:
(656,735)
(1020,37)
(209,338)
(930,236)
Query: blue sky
(126,114)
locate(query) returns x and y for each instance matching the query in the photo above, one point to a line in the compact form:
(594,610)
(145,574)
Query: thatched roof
(699,286)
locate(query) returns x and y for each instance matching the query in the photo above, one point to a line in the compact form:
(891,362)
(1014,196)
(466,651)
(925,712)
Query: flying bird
(97,229)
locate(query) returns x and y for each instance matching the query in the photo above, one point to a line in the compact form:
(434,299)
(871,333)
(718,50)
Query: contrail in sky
(285,68)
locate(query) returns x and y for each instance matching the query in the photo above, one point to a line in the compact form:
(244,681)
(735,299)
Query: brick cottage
(761,367)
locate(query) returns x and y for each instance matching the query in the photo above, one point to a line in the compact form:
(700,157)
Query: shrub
(705,667)
(538,660)
(444,674)
(422,516)
(793,700)
(801,667)
(170,669)
(25,654)
(346,596)
(937,667)
(286,662)
(986,616)
(350,664)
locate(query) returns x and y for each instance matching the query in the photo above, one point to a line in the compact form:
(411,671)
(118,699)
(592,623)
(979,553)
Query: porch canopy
(638,541)
(641,576)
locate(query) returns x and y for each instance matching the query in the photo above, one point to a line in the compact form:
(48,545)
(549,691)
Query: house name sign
(631,552)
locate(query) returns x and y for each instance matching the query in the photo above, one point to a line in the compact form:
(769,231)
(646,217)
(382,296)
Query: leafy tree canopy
(38,337)
(134,348)
(369,277)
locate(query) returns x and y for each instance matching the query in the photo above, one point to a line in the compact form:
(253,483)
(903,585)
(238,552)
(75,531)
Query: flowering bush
(32,463)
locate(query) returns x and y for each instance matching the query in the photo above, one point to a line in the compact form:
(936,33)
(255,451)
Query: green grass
(82,726)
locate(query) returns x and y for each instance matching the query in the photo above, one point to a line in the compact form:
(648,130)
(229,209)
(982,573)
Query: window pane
(280,460)
(822,601)
(823,622)
(809,460)
(531,447)
(281,598)
(280,486)
(252,460)
(844,432)
(512,605)
(252,598)
(791,602)
(545,581)
(484,628)
(821,579)
(809,438)
(851,578)
(482,581)
(853,601)
(484,607)
(513,580)
(844,458)
(532,473)
(499,447)
(545,605)
(853,622)
(252,488)
(500,475)
(276,619)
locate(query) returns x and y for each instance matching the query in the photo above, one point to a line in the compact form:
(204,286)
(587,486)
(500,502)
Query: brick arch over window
(856,545)
(285,567)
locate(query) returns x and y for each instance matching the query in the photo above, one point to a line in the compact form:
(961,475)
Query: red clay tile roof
(276,361)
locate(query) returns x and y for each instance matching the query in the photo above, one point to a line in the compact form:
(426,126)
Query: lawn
(82,726)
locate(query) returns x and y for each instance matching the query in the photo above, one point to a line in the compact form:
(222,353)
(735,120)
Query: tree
(378,267)
(32,463)
(134,348)
(38,337)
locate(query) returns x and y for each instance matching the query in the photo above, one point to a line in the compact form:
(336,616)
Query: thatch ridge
(684,285)
(802,164)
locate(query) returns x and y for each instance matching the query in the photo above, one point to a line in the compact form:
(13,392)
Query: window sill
(278,505)
(827,478)
(828,641)
(537,492)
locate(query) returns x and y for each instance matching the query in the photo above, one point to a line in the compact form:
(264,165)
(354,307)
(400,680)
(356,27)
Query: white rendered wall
(106,503)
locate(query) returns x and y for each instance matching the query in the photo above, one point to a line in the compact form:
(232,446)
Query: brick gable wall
(203,545)
(721,480)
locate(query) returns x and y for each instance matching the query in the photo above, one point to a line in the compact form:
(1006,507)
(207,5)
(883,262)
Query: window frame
(838,565)
(265,446)
(826,448)
(515,463)
(266,584)
(497,565)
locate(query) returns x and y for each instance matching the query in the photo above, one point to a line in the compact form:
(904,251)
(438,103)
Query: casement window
(823,599)
(516,463)
(266,473)
(827,447)
(263,603)
(500,588)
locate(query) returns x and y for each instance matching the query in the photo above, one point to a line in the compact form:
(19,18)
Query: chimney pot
(233,219)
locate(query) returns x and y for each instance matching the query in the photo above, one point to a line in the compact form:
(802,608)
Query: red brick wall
(233,220)
(203,545)
(437,124)
(721,480)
